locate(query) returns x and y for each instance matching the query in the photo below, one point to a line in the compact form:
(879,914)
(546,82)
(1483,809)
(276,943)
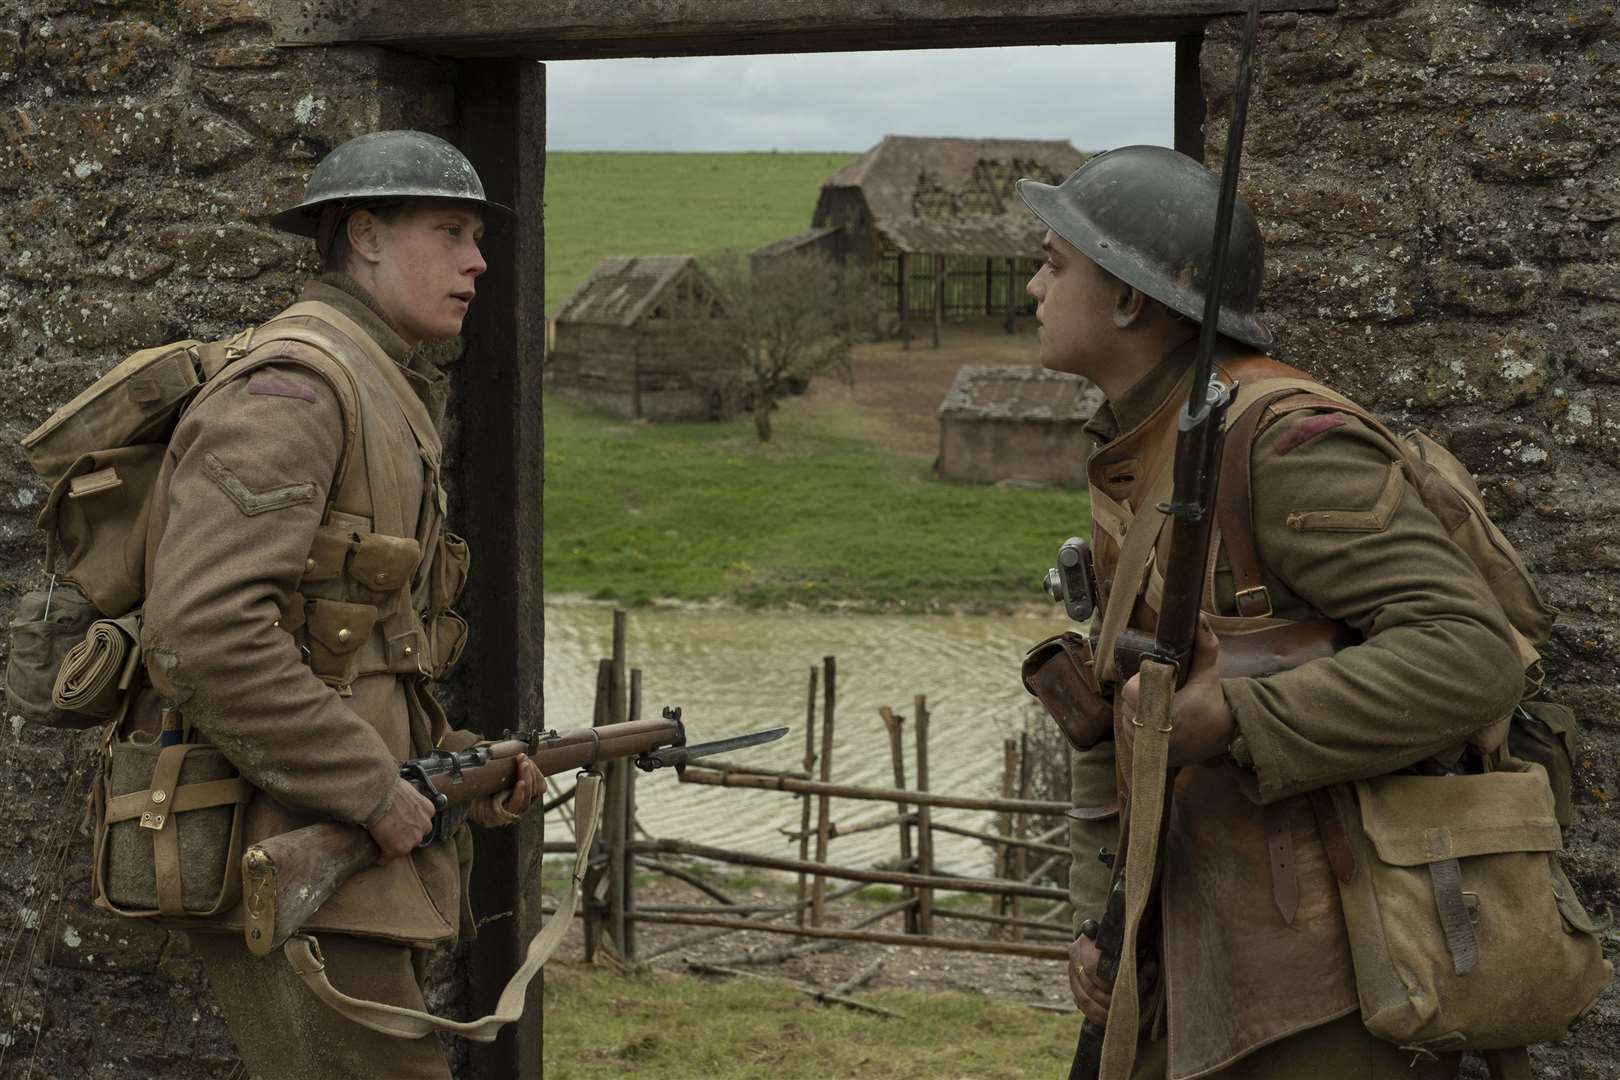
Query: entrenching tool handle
(318,859)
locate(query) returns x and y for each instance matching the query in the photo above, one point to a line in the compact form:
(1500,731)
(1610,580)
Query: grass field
(601,204)
(825,514)
(657,1023)
(841,508)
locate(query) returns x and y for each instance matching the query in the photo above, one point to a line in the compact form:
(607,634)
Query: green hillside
(601,204)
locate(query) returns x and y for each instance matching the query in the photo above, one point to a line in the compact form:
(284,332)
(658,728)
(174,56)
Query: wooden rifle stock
(286,878)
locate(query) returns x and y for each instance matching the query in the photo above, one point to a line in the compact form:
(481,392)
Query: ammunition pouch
(1060,671)
(1457,893)
(168,829)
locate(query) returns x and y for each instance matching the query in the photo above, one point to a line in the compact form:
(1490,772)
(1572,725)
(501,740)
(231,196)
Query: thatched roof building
(940,219)
(618,344)
(1021,424)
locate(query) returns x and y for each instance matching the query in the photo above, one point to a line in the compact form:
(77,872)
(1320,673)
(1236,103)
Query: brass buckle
(1237,598)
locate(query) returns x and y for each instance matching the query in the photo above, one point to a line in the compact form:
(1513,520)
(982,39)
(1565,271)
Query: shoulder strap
(304,955)
(1258,405)
(318,358)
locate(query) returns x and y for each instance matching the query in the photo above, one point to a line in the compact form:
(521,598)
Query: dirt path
(910,383)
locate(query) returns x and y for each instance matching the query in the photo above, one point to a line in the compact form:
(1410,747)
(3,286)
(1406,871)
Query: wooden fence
(1028,837)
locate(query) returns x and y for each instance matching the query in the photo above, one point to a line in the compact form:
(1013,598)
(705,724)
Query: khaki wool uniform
(235,566)
(1243,989)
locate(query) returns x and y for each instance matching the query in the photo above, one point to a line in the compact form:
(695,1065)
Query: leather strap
(1335,841)
(157,815)
(1280,849)
(1131,570)
(199,796)
(1149,792)
(1233,509)
(304,954)
(1445,876)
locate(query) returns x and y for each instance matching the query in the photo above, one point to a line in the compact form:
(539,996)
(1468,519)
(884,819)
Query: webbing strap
(1135,556)
(1149,777)
(304,954)
(1446,878)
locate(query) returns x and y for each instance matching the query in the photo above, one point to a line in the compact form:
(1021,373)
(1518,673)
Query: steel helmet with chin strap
(1146,214)
(384,166)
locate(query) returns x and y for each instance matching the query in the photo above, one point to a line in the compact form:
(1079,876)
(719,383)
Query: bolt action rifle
(1165,659)
(286,878)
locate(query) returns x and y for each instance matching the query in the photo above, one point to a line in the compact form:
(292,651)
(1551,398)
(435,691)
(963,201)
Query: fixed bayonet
(676,757)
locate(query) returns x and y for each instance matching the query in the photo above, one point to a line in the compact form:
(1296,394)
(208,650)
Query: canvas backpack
(74,646)
(1457,897)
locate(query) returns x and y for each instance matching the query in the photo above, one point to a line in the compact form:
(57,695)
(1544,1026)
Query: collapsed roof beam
(587,29)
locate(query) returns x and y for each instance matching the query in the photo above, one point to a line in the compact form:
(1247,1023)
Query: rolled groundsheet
(94,675)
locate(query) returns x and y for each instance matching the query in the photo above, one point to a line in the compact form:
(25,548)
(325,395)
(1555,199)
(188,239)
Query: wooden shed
(1019,424)
(940,220)
(618,344)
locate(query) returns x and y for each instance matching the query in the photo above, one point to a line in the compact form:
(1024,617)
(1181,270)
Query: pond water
(736,671)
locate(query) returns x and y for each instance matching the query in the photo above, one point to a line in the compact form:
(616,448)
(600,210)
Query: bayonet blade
(677,756)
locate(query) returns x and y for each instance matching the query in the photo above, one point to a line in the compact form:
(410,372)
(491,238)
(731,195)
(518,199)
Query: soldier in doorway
(300,583)
(1333,537)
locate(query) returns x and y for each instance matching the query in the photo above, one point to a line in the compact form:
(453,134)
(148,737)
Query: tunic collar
(1140,401)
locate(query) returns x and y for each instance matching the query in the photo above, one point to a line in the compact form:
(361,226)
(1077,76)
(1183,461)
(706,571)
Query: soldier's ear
(1130,304)
(365,236)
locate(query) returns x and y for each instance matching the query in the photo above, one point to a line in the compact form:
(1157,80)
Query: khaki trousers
(283,1032)
(1340,1050)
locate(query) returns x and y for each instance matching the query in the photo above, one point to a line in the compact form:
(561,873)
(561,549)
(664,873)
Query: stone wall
(978,450)
(1438,183)
(139,141)
(1439,187)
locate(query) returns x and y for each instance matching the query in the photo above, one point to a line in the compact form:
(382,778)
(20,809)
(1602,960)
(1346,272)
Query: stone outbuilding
(1021,424)
(940,220)
(621,342)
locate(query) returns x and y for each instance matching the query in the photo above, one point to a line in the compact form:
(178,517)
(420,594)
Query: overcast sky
(1096,96)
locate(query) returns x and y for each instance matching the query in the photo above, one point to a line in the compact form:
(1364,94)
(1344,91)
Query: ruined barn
(621,342)
(1019,424)
(939,220)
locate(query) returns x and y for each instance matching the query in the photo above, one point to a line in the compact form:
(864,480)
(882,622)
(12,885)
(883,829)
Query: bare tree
(793,318)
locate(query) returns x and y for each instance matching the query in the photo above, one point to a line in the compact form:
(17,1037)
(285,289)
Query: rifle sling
(1149,780)
(304,954)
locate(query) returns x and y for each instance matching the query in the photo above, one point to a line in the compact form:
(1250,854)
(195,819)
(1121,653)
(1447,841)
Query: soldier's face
(1073,304)
(427,261)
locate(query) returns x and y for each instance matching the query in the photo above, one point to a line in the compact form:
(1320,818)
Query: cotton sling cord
(304,954)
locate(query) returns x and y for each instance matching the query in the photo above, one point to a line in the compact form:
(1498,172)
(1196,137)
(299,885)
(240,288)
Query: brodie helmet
(384,166)
(1146,214)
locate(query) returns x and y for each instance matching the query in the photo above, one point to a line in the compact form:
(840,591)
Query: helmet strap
(333,214)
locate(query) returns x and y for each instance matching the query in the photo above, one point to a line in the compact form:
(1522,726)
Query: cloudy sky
(1094,95)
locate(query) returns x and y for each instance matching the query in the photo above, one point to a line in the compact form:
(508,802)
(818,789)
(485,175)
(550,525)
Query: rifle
(286,878)
(1165,660)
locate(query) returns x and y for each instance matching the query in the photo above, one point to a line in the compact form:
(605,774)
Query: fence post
(1009,783)
(615,793)
(628,832)
(598,860)
(829,667)
(1020,823)
(925,831)
(804,803)
(895,725)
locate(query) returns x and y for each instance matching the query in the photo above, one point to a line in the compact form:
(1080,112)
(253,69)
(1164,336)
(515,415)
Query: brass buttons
(382,577)
(345,634)
(159,796)
(409,650)
(309,566)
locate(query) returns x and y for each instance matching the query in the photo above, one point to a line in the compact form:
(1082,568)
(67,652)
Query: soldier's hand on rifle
(1202,721)
(506,807)
(1091,996)
(408,819)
